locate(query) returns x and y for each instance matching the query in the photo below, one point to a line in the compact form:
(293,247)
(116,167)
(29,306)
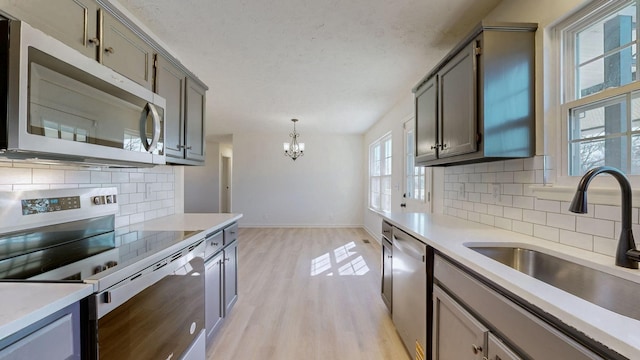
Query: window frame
(565,83)
(409,151)
(381,142)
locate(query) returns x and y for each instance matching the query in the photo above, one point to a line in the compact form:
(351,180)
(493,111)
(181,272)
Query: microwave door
(71,107)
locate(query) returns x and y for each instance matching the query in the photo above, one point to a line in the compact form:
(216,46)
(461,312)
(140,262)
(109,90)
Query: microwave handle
(156,127)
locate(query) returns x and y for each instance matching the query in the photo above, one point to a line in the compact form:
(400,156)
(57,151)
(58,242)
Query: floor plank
(308,294)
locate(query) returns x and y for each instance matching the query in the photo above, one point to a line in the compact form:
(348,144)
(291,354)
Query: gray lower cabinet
(213,295)
(221,278)
(230,276)
(456,333)
(124,51)
(497,350)
(70,21)
(56,337)
(469,315)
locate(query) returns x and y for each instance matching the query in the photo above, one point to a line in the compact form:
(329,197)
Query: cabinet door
(213,295)
(70,21)
(124,51)
(497,350)
(170,84)
(387,272)
(195,121)
(427,121)
(230,276)
(458,115)
(456,333)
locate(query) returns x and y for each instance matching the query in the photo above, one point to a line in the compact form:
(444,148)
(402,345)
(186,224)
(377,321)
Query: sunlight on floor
(354,266)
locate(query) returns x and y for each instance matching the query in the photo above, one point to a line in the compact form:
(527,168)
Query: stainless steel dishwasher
(409,313)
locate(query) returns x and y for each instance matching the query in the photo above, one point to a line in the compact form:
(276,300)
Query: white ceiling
(337,65)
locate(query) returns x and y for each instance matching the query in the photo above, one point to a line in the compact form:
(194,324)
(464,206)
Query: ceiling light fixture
(293,149)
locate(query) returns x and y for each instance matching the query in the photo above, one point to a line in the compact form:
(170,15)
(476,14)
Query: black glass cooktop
(77,250)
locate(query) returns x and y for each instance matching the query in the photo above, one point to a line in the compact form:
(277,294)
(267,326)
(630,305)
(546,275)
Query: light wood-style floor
(308,294)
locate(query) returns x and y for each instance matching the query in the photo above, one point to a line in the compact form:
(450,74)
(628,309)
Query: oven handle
(117,295)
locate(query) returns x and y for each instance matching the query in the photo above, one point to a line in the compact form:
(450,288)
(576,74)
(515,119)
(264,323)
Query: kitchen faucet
(626,254)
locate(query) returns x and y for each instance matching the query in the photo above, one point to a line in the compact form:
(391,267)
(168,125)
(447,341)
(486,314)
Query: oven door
(155,314)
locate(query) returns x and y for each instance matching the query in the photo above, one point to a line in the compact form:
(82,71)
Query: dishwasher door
(409,293)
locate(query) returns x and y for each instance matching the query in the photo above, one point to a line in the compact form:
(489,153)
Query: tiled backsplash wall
(499,194)
(143,194)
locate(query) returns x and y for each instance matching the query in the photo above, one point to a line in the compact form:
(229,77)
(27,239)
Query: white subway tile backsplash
(513,213)
(512,189)
(523,202)
(546,232)
(495,210)
(547,205)
(522,227)
(135,204)
(504,177)
(566,222)
(15,176)
(503,223)
(514,165)
(473,216)
(603,228)
(487,219)
(605,246)
(48,176)
(583,241)
(524,177)
(534,216)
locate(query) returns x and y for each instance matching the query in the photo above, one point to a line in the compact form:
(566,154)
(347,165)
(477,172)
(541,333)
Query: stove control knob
(110,264)
(99,268)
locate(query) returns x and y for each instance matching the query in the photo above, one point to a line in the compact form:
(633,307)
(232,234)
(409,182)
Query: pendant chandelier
(294,149)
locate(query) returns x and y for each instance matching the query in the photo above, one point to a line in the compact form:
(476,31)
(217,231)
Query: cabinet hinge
(478,50)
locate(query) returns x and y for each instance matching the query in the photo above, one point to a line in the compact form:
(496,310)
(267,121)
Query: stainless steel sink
(605,290)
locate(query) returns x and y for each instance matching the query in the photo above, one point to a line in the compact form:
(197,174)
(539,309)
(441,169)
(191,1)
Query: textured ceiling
(337,65)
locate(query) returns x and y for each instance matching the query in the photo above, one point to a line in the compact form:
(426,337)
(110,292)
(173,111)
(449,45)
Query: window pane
(387,166)
(635,111)
(635,154)
(589,154)
(605,118)
(605,52)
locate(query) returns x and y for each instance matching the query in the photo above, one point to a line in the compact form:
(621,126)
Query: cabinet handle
(443,146)
(214,244)
(94,41)
(434,147)
(227,259)
(188,148)
(389,256)
(109,50)
(180,146)
(476,349)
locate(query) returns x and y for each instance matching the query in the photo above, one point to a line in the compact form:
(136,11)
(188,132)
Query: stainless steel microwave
(57,104)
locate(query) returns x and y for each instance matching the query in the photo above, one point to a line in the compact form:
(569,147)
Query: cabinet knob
(94,41)
(188,147)
(443,146)
(476,349)
(109,50)
(433,147)
(227,259)
(214,243)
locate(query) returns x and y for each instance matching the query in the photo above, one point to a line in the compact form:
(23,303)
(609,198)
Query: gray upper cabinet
(457,108)
(479,100)
(195,121)
(427,127)
(70,21)
(170,84)
(185,115)
(124,51)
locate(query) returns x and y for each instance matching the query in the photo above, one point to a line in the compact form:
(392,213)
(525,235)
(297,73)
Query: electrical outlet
(495,191)
(461,192)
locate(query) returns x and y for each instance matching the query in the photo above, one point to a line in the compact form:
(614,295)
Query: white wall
(322,188)
(202,183)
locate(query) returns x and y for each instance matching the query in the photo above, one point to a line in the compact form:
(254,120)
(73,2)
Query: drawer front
(386,230)
(214,243)
(230,234)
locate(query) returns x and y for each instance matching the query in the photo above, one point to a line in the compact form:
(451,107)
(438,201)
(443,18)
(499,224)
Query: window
(601,94)
(415,186)
(380,174)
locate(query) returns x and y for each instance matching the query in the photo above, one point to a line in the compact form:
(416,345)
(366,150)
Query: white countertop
(22,304)
(449,236)
(188,222)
